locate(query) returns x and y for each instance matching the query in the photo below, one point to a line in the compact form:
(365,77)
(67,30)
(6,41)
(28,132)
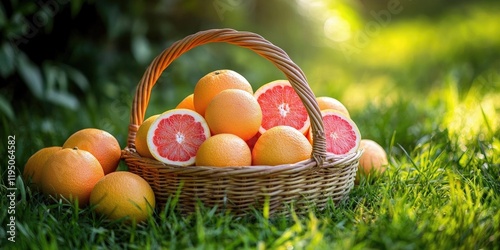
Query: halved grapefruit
(341,133)
(281,105)
(175,136)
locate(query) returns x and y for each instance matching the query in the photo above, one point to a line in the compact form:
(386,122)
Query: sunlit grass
(468,29)
(434,196)
(416,54)
(474,117)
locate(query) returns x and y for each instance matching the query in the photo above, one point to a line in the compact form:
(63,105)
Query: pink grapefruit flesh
(341,133)
(175,136)
(281,105)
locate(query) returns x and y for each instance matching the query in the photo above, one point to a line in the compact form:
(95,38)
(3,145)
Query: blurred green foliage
(66,65)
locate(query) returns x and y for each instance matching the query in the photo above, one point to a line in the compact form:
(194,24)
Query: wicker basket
(306,184)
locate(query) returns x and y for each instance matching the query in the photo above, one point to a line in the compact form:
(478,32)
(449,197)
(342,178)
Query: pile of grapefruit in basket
(225,123)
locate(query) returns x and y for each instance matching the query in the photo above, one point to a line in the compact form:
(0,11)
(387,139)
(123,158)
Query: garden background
(422,78)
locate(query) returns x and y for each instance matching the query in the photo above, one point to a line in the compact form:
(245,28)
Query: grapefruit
(224,150)
(71,173)
(33,168)
(186,103)
(175,136)
(234,111)
(374,157)
(326,102)
(309,135)
(100,144)
(123,195)
(213,83)
(341,133)
(141,143)
(281,145)
(251,142)
(281,105)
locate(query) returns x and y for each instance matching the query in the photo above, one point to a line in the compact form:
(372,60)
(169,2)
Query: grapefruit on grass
(141,143)
(100,144)
(234,111)
(341,133)
(213,83)
(374,157)
(281,105)
(123,195)
(281,145)
(175,136)
(224,150)
(33,168)
(71,173)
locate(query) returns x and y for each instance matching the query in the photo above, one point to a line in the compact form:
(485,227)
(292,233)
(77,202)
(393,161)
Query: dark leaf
(50,73)
(6,108)
(61,98)
(7,57)
(140,49)
(77,77)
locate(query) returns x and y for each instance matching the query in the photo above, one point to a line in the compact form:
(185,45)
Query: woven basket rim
(330,160)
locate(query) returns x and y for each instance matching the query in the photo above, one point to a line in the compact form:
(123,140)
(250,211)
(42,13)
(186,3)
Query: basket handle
(247,40)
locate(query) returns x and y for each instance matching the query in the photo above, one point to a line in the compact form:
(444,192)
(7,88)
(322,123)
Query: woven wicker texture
(310,183)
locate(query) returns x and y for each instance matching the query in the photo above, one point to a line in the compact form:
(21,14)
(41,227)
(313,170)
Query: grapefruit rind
(224,150)
(374,158)
(276,111)
(326,102)
(175,136)
(213,83)
(337,126)
(268,151)
(141,144)
(234,111)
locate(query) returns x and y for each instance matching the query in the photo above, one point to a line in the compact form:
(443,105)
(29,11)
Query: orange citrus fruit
(341,133)
(224,150)
(309,135)
(234,111)
(186,103)
(99,143)
(175,136)
(141,143)
(281,145)
(215,82)
(123,194)
(33,167)
(374,157)
(281,105)
(326,102)
(71,173)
